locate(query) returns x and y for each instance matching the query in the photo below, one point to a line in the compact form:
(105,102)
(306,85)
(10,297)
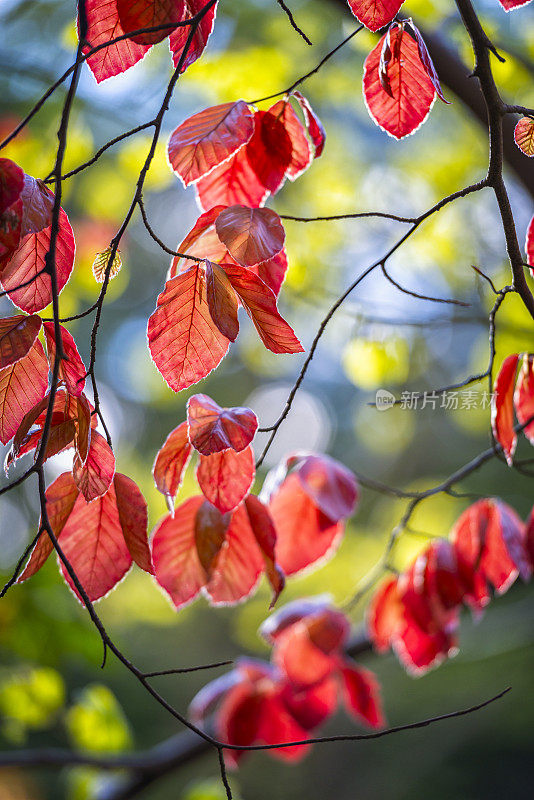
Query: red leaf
(384,615)
(222,301)
(11,183)
(272,272)
(71,369)
(183,340)
(238,720)
(502,407)
(29,260)
(301,151)
(419,651)
(524,136)
(212,428)
(260,304)
(94,477)
(375,14)
(524,396)
(60,498)
(178,38)
(265,534)
(313,705)
(137,14)
(170,463)
(427,62)
(93,542)
(210,535)
(233,182)
(104,25)
(332,487)
(529,245)
(225,478)
(133,518)
(361,692)
(17,335)
(10,231)
(492,539)
(177,566)
(510,5)
(300,659)
(251,235)
(313,123)
(208,139)
(406,106)
(22,386)
(304,535)
(239,563)
(270,150)
(38,202)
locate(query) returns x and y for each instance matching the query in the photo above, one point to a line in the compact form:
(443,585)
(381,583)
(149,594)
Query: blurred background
(52,691)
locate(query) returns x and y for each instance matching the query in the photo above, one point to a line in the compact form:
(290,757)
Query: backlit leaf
(251,235)
(17,335)
(225,477)
(22,386)
(170,463)
(212,428)
(71,369)
(104,25)
(375,14)
(502,407)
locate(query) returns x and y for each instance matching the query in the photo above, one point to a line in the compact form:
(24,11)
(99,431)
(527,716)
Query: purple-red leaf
(212,428)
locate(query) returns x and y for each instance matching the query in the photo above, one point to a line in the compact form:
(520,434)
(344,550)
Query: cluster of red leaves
(111,19)
(235,155)
(195,320)
(100,539)
(418,613)
(221,542)
(287,699)
(506,398)
(25,226)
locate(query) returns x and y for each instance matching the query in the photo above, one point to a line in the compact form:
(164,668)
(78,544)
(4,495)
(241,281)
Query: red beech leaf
(93,477)
(314,125)
(93,542)
(60,498)
(524,396)
(375,14)
(427,62)
(222,301)
(502,407)
(137,14)
(22,386)
(225,478)
(524,135)
(529,246)
(183,339)
(265,534)
(28,261)
(17,335)
(10,231)
(251,235)
(260,304)
(272,272)
(11,183)
(301,150)
(208,139)
(71,369)
(510,5)
(38,203)
(270,150)
(233,182)
(402,109)
(104,25)
(178,38)
(313,705)
(492,539)
(210,534)
(85,422)
(177,566)
(304,535)
(239,563)
(300,659)
(212,428)
(133,518)
(361,693)
(291,613)
(171,462)
(332,487)
(384,615)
